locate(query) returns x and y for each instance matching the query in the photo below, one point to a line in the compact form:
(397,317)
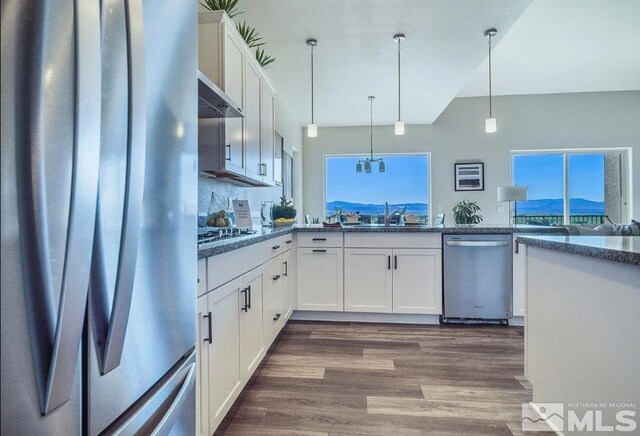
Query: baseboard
(391,318)
(517,321)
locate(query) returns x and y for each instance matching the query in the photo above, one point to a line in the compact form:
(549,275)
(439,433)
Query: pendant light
(312,128)
(366,163)
(490,125)
(399,127)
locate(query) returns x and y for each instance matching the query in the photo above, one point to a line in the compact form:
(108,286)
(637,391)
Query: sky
(404,181)
(543,174)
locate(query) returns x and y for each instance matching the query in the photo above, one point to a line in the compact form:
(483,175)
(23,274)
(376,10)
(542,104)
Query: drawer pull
(277,317)
(275,247)
(319,239)
(276,277)
(289,241)
(319,251)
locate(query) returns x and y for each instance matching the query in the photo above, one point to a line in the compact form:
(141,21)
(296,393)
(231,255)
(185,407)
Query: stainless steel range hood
(213,103)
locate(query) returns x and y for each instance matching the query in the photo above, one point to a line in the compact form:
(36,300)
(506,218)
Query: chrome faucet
(398,212)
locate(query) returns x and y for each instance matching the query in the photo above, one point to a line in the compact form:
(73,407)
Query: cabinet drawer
(277,246)
(202,277)
(228,266)
(320,239)
(273,319)
(273,278)
(393,240)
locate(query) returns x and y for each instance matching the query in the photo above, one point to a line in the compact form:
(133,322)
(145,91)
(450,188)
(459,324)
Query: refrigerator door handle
(123,293)
(84,188)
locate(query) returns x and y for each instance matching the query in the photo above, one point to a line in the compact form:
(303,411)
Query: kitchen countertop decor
(625,249)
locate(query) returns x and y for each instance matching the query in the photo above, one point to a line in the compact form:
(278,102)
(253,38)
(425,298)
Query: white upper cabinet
(252,123)
(237,148)
(368,280)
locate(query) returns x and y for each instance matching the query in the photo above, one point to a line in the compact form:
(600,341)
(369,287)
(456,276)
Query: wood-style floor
(385,379)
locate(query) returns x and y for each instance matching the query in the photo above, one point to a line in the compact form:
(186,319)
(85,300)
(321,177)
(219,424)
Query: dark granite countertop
(625,249)
(479,229)
(224,245)
(219,247)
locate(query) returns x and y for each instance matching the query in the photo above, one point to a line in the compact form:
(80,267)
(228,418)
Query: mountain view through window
(404,184)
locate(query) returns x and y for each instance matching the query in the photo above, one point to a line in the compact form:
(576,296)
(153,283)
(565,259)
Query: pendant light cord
(399,42)
(371,128)
(490,107)
(312,122)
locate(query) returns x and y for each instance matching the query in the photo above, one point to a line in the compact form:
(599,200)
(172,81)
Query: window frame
(626,185)
(352,155)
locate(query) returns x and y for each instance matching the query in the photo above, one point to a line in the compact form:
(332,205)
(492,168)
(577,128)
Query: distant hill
(555,206)
(371,209)
(548,206)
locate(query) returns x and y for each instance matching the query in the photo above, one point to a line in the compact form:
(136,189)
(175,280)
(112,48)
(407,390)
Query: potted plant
(466,213)
(283,213)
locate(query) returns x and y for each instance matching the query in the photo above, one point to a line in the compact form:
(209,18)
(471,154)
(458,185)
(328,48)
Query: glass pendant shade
(367,167)
(490,125)
(359,167)
(399,128)
(381,166)
(312,130)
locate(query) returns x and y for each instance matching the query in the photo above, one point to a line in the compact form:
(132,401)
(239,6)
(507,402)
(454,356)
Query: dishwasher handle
(477,243)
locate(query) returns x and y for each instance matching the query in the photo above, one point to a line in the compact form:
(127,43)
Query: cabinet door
(233,67)
(367,280)
(320,279)
(224,351)
(234,88)
(268,135)
(417,281)
(254,167)
(202,276)
(202,365)
(519,279)
(250,309)
(287,282)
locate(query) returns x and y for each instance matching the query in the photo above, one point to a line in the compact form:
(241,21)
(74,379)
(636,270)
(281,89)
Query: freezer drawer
(477,277)
(168,409)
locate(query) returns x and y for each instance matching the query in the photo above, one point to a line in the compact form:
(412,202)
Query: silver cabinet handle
(56,337)
(476,243)
(228,158)
(136,151)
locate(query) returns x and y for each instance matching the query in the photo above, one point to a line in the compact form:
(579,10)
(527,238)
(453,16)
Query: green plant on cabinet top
(229,6)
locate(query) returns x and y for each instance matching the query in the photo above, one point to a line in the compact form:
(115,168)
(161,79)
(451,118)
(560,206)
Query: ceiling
(356,54)
(566,46)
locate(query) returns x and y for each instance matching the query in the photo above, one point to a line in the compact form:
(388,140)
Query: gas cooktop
(213,234)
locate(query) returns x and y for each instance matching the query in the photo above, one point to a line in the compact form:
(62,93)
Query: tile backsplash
(207,185)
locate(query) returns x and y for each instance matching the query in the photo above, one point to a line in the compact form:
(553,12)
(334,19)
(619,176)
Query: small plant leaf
(263,58)
(229,6)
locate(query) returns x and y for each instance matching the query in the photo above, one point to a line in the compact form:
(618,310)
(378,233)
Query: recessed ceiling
(566,46)
(356,55)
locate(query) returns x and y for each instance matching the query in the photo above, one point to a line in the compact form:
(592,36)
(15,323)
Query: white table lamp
(508,194)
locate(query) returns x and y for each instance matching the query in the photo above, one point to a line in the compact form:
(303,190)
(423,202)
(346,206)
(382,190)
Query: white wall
(580,120)
(292,134)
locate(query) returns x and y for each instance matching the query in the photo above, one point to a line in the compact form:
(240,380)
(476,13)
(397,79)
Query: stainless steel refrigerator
(99,212)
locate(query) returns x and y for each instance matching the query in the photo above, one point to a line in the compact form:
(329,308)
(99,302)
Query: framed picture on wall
(469,176)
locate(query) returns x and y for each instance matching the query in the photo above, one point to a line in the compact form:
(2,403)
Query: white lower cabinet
(417,281)
(288,268)
(320,279)
(368,280)
(224,372)
(230,345)
(386,280)
(251,340)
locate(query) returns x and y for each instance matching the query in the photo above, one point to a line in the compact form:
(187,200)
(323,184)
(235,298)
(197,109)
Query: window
(570,187)
(404,184)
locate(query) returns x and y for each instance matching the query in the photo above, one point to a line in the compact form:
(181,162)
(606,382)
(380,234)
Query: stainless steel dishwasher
(478,278)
